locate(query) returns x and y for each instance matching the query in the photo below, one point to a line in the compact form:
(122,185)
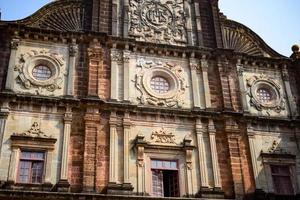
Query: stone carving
(277,103)
(27,61)
(163,136)
(158,21)
(34,131)
(171,72)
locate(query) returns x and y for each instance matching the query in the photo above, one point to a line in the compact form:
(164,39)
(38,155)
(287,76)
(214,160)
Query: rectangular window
(31,167)
(165,181)
(282,180)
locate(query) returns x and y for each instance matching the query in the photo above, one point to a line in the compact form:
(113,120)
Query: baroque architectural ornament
(163,136)
(34,131)
(158,21)
(172,73)
(272,100)
(53,62)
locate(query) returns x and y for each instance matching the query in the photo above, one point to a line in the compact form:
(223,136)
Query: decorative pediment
(34,131)
(243,40)
(59,16)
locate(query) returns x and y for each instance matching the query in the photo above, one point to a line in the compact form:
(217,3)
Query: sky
(275,21)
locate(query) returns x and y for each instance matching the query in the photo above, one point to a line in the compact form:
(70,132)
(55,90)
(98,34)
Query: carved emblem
(34,131)
(159,21)
(33,58)
(163,136)
(276,102)
(171,72)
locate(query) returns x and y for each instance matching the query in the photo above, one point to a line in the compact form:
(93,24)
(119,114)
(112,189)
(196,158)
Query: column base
(206,192)
(119,188)
(62,186)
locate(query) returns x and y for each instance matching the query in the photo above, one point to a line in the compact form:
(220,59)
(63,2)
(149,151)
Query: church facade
(145,99)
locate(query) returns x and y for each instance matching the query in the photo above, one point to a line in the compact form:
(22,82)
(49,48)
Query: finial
(295,48)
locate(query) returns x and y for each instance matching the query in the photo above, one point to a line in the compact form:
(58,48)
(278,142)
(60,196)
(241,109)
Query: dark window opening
(165,181)
(282,180)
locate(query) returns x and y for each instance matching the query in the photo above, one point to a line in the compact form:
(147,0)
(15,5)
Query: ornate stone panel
(171,83)
(264,91)
(40,69)
(158,21)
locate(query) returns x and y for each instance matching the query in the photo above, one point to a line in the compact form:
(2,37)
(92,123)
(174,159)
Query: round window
(159,84)
(41,72)
(264,95)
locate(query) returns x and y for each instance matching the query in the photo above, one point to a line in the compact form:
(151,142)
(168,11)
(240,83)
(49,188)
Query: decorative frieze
(163,136)
(34,131)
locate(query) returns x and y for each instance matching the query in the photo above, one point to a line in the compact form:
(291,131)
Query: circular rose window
(41,72)
(264,95)
(159,84)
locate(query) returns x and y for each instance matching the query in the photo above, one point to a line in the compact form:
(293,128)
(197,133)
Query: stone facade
(120,99)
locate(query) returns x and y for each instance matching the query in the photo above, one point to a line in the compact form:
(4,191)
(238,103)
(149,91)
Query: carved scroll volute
(140,141)
(188,151)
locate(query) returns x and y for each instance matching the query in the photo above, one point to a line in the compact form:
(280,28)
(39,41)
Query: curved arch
(57,15)
(242,39)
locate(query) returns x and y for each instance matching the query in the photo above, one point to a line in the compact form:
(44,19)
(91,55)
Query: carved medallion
(40,70)
(158,21)
(171,73)
(265,93)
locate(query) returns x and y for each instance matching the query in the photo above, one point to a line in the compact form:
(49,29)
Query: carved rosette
(171,72)
(29,60)
(277,102)
(163,136)
(158,21)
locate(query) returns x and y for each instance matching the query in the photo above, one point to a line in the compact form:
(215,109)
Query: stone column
(201,153)
(63,184)
(288,90)
(4,112)
(12,63)
(187,142)
(233,135)
(140,142)
(95,56)
(73,50)
(204,67)
(48,167)
(116,57)
(198,24)
(115,18)
(214,154)
(126,126)
(256,171)
(92,123)
(194,66)
(126,18)
(113,147)
(126,61)
(243,91)
(12,173)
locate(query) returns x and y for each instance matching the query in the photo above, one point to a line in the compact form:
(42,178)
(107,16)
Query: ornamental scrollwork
(174,75)
(158,21)
(31,59)
(34,131)
(163,136)
(276,100)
